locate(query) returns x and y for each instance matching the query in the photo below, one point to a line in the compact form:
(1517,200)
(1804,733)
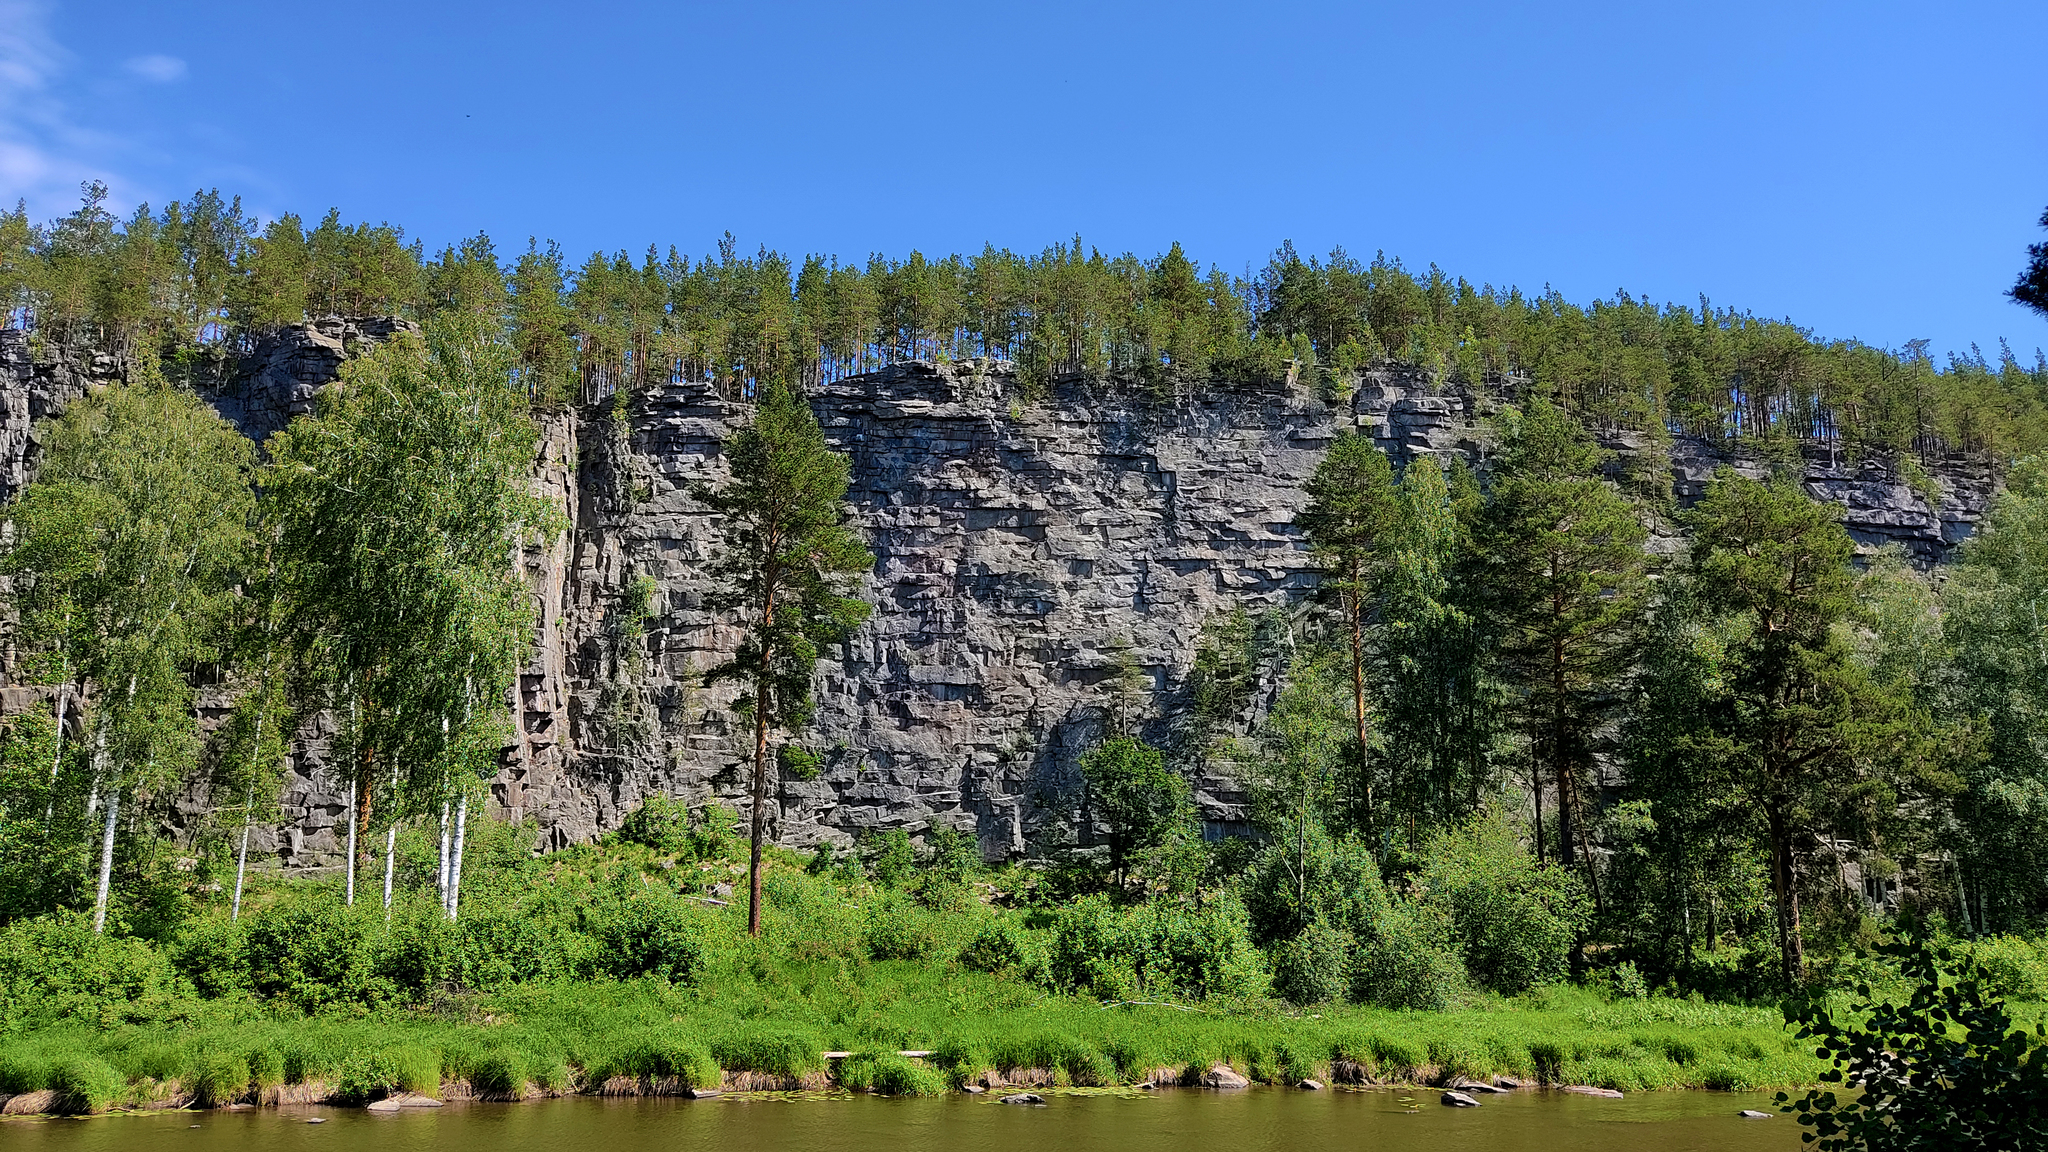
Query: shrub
(218,1077)
(374,1074)
(315,953)
(890,859)
(56,968)
(83,1085)
(211,953)
(999,948)
(711,834)
(1097,948)
(1408,961)
(651,933)
(1514,920)
(1314,967)
(896,929)
(1337,883)
(660,823)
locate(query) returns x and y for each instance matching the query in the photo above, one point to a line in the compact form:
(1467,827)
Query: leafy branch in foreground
(1945,1070)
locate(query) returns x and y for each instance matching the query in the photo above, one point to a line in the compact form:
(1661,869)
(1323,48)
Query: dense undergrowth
(606,961)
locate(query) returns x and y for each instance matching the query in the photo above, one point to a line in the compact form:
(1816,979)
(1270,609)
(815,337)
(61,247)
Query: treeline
(200,276)
(1740,763)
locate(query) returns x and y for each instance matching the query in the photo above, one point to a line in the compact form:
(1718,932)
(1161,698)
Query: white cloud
(44,153)
(161,69)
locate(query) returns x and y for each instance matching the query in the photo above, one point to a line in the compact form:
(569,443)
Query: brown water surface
(1260,1120)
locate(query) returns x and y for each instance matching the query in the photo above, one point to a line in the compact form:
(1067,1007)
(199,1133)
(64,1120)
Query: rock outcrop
(1033,559)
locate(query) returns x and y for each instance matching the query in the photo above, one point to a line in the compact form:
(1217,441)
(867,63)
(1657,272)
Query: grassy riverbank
(626,967)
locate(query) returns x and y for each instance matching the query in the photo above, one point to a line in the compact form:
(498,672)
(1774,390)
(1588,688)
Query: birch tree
(399,507)
(788,558)
(125,552)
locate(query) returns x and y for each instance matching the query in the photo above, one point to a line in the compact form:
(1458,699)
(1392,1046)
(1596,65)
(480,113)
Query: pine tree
(1566,580)
(1352,506)
(1796,724)
(787,560)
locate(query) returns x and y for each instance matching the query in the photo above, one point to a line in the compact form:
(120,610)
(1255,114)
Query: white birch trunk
(455,861)
(441,875)
(350,897)
(56,762)
(242,856)
(99,907)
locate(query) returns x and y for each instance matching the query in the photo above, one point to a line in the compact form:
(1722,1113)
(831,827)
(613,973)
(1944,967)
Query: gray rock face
(1028,556)
(34,388)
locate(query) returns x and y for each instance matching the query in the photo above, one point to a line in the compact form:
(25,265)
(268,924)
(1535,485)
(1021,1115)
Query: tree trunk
(99,907)
(242,854)
(1356,608)
(349,892)
(56,762)
(455,860)
(1784,886)
(760,809)
(441,873)
(1536,782)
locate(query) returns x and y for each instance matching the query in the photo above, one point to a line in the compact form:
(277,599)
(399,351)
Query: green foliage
(374,1074)
(57,968)
(1140,800)
(890,857)
(1409,961)
(1314,967)
(1515,921)
(1101,949)
(660,822)
(217,1077)
(1947,1069)
(899,929)
(660,1053)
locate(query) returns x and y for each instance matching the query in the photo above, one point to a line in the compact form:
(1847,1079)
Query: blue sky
(1870,170)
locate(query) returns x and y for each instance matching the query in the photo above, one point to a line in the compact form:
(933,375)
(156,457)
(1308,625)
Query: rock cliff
(1029,556)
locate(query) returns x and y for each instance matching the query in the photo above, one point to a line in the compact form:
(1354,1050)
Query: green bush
(896,929)
(711,834)
(890,858)
(57,969)
(213,955)
(1097,948)
(661,823)
(645,933)
(83,1085)
(1408,961)
(374,1074)
(313,953)
(1314,967)
(218,1077)
(1320,880)
(999,947)
(1514,920)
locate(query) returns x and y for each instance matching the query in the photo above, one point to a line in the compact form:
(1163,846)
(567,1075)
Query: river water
(1259,1120)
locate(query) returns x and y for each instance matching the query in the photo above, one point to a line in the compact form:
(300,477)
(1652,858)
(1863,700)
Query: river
(1259,1120)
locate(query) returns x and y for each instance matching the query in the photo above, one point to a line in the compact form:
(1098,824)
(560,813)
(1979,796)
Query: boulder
(1224,1076)
(1476,1086)
(973,1089)
(1753,1114)
(1310,1085)
(1458,1100)
(701,1093)
(1589,1090)
(1024,1098)
(1509,1083)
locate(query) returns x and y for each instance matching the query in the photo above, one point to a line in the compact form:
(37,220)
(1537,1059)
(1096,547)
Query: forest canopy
(201,278)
